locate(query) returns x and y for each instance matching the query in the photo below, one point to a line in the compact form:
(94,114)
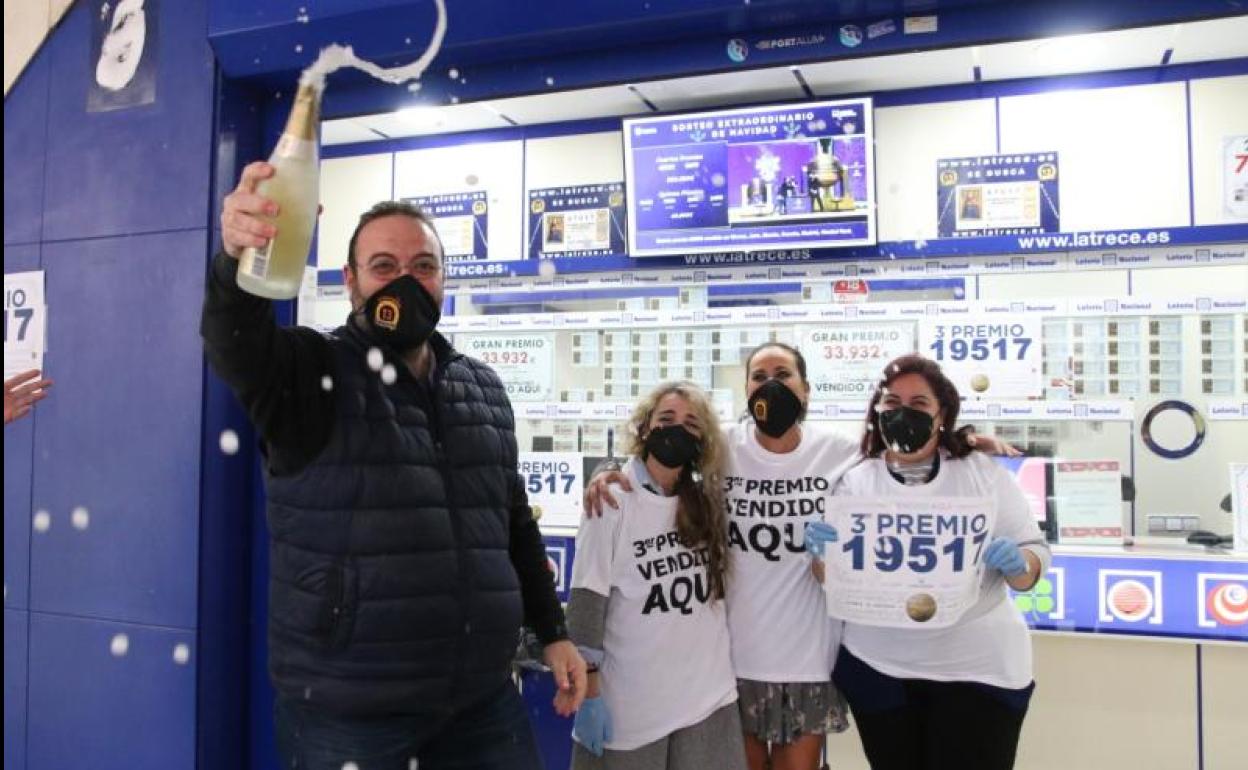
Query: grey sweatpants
(715,742)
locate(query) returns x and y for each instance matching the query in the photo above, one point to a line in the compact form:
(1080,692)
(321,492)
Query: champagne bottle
(275,270)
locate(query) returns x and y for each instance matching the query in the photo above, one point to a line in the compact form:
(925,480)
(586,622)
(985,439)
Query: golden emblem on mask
(760,410)
(386,314)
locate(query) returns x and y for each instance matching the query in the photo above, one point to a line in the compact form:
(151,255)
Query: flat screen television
(797,176)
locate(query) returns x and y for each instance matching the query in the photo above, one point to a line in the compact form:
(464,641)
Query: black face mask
(402,313)
(906,430)
(775,408)
(673,446)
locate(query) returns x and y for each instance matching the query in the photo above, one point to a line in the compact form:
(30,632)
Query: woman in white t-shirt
(647,603)
(778,475)
(951,697)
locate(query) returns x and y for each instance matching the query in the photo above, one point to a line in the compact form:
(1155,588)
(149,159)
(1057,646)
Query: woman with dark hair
(648,584)
(953,696)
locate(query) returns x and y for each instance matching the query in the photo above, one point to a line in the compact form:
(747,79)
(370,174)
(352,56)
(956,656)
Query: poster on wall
(998,195)
(577,221)
(1087,502)
(124,40)
(845,361)
(524,362)
(1235,176)
(461,220)
(987,357)
(25,321)
(797,176)
(553,482)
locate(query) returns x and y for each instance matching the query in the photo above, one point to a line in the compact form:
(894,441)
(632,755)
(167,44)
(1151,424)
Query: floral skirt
(782,712)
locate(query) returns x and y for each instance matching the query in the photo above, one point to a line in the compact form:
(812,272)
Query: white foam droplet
(453,73)
(181,654)
(119,646)
(42,521)
(550,81)
(413,87)
(229,442)
(407,41)
(350,766)
(413,764)
(307,693)
(80,517)
(454,100)
(327,383)
(388,374)
(298,48)
(375,359)
(547,269)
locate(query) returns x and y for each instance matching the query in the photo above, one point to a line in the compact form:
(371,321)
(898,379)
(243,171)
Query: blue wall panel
(122,435)
(15,634)
(141,169)
(92,708)
(25,139)
(18,439)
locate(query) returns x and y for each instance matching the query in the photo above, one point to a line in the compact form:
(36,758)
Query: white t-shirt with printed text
(990,643)
(780,629)
(666,659)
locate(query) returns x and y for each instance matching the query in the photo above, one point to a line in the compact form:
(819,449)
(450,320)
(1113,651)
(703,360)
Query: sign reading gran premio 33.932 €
(987,356)
(524,362)
(998,195)
(906,562)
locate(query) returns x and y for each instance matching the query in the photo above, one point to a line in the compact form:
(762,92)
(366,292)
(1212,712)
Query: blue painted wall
(116,208)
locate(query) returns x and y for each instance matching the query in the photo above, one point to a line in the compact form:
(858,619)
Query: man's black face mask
(402,314)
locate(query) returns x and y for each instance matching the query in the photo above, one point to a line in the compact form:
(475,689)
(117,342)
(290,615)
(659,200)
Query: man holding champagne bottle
(403,553)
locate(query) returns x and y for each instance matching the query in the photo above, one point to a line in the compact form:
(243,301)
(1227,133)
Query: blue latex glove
(592,727)
(1004,555)
(818,535)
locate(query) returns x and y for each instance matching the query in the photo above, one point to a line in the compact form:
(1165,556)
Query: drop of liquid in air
(229,442)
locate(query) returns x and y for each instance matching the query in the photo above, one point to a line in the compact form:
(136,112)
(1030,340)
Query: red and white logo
(1222,600)
(1130,596)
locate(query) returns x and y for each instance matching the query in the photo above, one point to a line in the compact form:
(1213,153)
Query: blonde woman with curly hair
(647,604)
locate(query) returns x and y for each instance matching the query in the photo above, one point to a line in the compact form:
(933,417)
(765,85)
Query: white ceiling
(1099,52)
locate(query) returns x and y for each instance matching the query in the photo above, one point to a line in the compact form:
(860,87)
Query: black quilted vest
(391,590)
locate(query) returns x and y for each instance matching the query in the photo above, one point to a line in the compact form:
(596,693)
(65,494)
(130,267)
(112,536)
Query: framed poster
(124,39)
(998,195)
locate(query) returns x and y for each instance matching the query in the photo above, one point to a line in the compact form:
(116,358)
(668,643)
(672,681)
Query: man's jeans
(494,733)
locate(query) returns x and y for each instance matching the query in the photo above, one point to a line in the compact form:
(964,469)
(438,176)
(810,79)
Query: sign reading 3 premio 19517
(906,562)
(552,481)
(997,357)
(998,195)
(798,176)
(25,319)
(524,362)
